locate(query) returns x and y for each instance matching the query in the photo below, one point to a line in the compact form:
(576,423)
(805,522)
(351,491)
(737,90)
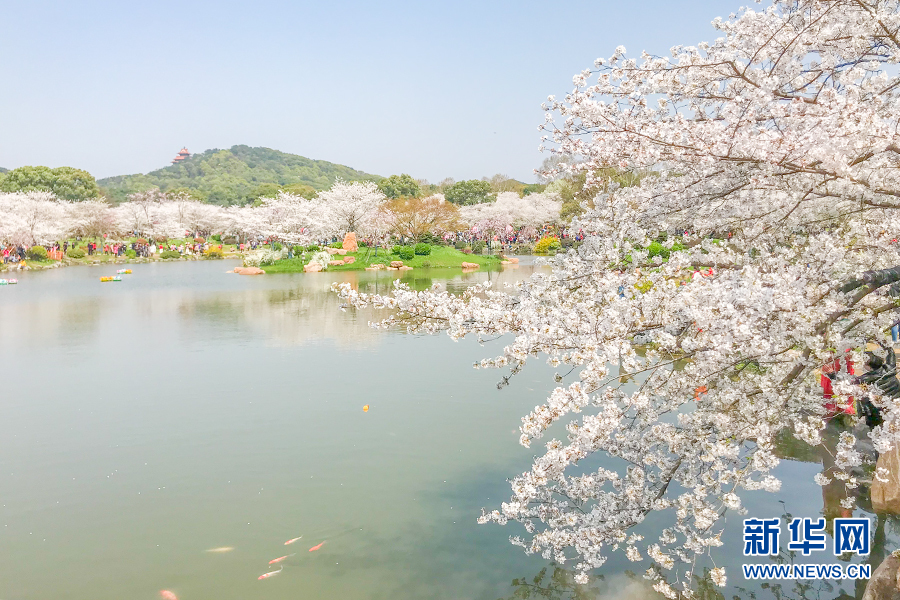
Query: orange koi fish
(314,548)
(366,408)
(269,574)
(279,559)
(289,542)
(167,595)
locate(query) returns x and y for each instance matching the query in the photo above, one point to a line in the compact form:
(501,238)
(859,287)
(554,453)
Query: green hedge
(36,253)
(405,252)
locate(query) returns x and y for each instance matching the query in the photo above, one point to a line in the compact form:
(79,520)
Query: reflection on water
(184,409)
(283,309)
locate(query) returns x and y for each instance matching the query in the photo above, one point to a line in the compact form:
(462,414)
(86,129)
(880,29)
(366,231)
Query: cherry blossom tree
(90,218)
(351,206)
(771,155)
(509,209)
(32,218)
(287,217)
(12,222)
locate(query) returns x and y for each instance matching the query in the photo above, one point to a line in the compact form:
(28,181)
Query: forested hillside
(236,175)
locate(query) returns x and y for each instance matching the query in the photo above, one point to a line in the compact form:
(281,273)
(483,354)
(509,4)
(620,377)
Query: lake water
(185,409)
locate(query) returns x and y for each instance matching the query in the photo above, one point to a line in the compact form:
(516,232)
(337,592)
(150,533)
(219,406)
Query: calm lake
(186,409)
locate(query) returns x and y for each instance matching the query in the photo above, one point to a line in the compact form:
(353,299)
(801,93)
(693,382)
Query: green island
(441,257)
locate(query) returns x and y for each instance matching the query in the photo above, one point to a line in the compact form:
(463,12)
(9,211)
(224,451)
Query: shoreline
(442,258)
(70,262)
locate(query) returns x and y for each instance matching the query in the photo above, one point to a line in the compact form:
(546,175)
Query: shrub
(478,247)
(214,252)
(407,252)
(312,248)
(643,285)
(426,264)
(170,254)
(277,246)
(130,253)
(546,244)
(230,240)
(459,245)
(75,253)
(217,237)
(422,249)
(36,253)
(430,238)
(336,245)
(362,243)
(467,250)
(322,258)
(657,249)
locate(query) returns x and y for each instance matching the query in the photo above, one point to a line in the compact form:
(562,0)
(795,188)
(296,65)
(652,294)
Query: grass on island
(441,257)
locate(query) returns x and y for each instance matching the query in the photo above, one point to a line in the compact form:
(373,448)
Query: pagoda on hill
(183,154)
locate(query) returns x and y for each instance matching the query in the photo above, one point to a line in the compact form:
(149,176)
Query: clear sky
(433,89)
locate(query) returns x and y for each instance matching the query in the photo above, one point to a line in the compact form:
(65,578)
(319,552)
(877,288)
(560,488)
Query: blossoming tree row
(40,218)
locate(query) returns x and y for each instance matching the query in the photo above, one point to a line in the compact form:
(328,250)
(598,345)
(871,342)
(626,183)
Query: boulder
(249,271)
(405,268)
(331,250)
(372,269)
(392,268)
(349,260)
(350,244)
(886,495)
(312,268)
(341,251)
(334,263)
(379,267)
(505,262)
(468,265)
(883,584)
(396,263)
(513,260)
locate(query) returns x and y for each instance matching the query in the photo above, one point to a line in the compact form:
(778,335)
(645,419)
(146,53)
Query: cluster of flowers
(783,132)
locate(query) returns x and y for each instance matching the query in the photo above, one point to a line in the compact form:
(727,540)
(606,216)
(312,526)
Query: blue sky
(434,89)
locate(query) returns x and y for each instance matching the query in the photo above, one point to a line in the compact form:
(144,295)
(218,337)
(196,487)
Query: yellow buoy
(366,408)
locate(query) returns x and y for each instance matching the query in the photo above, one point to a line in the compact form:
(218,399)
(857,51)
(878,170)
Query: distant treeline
(243,175)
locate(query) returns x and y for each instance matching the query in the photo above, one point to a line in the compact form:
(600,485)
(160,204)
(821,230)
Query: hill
(234,176)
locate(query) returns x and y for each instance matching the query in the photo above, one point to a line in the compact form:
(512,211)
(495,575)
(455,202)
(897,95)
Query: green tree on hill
(300,189)
(67,183)
(469,192)
(264,190)
(396,186)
